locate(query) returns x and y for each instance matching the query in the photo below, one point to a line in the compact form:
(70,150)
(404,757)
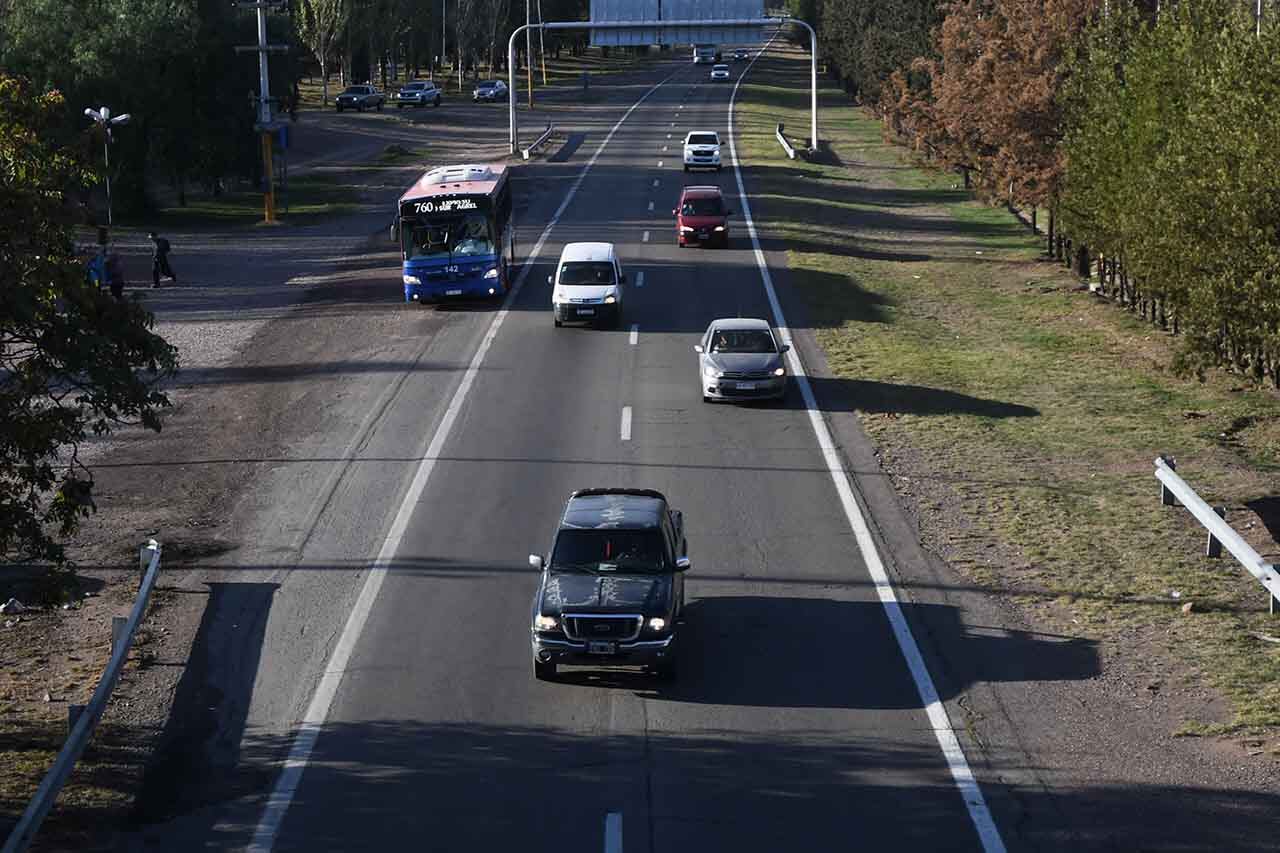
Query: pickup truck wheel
(359,108)
(380,110)
(338,108)
(666,670)
(544,671)
(437,102)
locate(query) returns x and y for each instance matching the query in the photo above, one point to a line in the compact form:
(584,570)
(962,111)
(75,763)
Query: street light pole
(528,49)
(105,121)
(444,39)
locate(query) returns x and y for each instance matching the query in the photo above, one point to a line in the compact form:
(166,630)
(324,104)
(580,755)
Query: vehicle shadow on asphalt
(889,398)
(757,651)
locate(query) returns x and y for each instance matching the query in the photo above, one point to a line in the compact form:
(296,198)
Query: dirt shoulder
(1001,423)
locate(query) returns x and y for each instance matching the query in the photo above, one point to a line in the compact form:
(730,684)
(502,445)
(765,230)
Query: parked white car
(702,150)
(587,285)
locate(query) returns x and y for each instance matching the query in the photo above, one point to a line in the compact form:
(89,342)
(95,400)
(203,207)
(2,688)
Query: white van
(587,285)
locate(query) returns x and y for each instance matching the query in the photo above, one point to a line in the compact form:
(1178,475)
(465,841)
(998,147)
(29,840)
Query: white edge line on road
(308,733)
(952,752)
(613,832)
(625,429)
(635,334)
(639,279)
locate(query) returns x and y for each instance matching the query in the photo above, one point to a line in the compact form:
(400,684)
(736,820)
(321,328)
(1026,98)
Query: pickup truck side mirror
(697,347)
(683,564)
(535,561)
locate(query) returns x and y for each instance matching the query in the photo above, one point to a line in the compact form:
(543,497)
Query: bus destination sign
(445,205)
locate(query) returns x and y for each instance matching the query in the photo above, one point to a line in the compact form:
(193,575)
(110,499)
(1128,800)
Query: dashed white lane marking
(664,148)
(613,832)
(635,333)
(655,182)
(304,740)
(952,752)
(651,207)
(639,279)
(645,238)
(659,164)
(626,423)
(669,135)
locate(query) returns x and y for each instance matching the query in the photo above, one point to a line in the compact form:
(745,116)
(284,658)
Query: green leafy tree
(319,24)
(73,361)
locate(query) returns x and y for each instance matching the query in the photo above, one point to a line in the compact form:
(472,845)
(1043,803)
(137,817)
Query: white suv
(587,285)
(702,150)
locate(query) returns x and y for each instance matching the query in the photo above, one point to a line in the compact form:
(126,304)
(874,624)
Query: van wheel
(559,324)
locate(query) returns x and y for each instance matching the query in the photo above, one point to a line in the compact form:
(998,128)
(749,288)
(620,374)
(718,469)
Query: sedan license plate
(746,386)
(453,293)
(586,312)
(601,648)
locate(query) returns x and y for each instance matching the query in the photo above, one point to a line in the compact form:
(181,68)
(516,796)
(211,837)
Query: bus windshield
(461,237)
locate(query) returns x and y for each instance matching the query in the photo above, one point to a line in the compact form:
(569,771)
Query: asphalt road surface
(795,720)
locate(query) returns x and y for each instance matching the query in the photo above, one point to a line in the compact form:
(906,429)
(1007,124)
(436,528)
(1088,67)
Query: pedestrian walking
(160,260)
(114,269)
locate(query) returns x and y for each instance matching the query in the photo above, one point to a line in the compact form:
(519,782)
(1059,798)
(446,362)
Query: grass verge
(1020,413)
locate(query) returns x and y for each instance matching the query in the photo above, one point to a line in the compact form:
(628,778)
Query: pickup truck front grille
(615,627)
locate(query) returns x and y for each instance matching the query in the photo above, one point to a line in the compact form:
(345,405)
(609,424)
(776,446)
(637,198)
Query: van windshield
(702,207)
(586,272)
(703,139)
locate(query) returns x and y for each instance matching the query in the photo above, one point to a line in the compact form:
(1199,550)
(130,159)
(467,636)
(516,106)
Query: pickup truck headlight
(781,371)
(491,274)
(657,623)
(719,227)
(412,279)
(545,623)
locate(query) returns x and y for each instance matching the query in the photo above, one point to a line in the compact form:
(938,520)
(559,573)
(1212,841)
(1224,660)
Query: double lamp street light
(105,121)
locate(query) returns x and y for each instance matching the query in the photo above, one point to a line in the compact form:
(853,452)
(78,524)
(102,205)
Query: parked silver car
(741,359)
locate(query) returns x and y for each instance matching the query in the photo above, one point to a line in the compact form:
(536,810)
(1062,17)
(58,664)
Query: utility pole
(265,124)
(528,50)
(444,39)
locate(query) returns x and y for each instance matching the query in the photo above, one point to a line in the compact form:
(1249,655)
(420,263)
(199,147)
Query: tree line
(1146,131)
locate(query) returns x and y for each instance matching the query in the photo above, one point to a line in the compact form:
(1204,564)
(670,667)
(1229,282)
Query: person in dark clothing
(115,274)
(160,260)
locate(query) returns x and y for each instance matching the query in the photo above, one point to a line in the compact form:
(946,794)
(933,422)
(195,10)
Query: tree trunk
(1048,248)
(324,81)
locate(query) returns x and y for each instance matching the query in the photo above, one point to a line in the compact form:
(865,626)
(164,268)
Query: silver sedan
(741,360)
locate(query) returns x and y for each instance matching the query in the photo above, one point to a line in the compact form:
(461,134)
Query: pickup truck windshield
(603,551)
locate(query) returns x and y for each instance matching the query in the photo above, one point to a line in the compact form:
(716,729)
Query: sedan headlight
(712,373)
(657,623)
(545,623)
(719,227)
(781,371)
(412,279)
(493,273)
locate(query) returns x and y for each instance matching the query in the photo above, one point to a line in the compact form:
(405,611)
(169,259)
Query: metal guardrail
(1174,490)
(84,718)
(786,146)
(541,140)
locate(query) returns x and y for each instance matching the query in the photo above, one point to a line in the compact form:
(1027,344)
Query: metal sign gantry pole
(617,25)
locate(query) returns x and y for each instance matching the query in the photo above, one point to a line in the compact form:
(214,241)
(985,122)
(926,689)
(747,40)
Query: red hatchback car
(702,217)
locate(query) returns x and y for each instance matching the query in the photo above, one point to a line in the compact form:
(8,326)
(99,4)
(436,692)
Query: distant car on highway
(741,359)
(701,217)
(612,588)
(702,150)
(719,72)
(489,90)
(359,98)
(418,93)
(587,285)
(739,55)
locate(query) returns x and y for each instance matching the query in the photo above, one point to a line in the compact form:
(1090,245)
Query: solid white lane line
(613,832)
(651,207)
(309,727)
(639,279)
(939,721)
(626,423)
(635,333)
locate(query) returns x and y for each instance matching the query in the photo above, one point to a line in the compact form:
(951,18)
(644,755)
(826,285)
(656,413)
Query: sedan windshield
(632,551)
(703,139)
(702,207)
(586,273)
(742,340)
(449,238)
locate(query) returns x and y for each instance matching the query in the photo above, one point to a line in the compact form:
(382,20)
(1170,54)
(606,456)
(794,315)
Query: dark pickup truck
(612,588)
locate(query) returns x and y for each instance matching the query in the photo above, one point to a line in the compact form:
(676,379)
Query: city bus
(455,233)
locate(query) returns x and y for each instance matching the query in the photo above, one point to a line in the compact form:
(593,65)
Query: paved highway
(795,719)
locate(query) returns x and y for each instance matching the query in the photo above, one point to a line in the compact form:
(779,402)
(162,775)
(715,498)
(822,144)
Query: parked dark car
(612,588)
(418,93)
(490,90)
(359,98)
